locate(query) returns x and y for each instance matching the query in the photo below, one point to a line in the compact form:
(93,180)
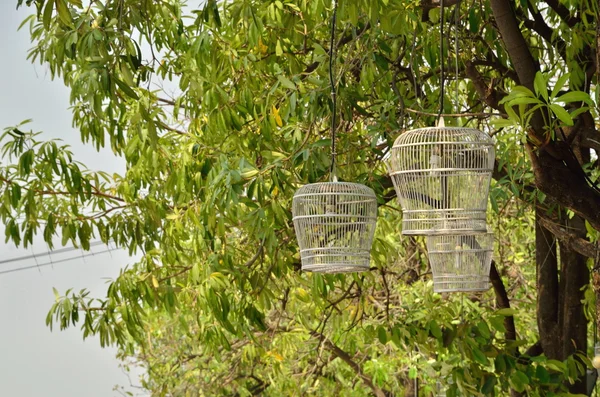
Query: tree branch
(503,302)
(563,12)
(569,239)
(487,93)
(515,43)
(540,26)
(345,357)
(548,289)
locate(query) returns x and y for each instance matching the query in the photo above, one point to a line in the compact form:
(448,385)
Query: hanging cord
(456,22)
(332,46)
(595,328)
(441,60)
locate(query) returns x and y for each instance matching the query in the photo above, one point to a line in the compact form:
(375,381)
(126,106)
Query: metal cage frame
(442,178)
(461,263)
(335,225)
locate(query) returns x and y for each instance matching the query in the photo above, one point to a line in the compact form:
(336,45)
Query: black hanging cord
(442,82)
(332,45)
(456,23)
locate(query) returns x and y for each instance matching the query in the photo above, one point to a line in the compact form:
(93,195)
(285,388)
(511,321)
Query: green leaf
(479,356)
(542,374)
(560,83)
(63,12)
(575,96)
(484,330)
(473,20)
(539,84)
(523,100)
(518,381)
(435,330)
(488,385)
(562,114)
(412,373)
(126,89)
(287,83)
(47,17)
(500,364)
(506,312)
(382,334)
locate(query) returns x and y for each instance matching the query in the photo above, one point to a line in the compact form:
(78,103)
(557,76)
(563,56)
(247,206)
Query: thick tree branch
(548,290)
(515,43)
(563,12)
(569,188)
(574,276)
(568,238)
(486,92)
(540,26)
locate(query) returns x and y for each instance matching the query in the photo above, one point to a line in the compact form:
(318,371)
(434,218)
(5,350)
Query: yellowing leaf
(261,47)
(275,355)
(154,282)
(276,116)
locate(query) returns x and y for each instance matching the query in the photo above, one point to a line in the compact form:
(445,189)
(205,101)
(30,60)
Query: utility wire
(52,263)
(332,55)
(58,251)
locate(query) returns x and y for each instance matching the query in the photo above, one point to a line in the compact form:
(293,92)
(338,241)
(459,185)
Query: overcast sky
(33,360)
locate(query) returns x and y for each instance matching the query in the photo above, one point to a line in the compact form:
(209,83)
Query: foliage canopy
(221,112)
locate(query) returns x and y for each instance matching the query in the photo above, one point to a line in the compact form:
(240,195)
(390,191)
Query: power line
(58,251)
(54,262)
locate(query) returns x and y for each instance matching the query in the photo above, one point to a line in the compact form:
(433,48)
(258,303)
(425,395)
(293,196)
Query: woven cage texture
(442,177)
(460,263)
(335,223)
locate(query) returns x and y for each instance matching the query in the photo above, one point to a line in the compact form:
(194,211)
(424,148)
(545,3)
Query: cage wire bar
(460,263)
(442,177)
(335,224)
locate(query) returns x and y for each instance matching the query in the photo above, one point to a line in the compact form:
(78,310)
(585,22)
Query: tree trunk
(548,291)
(574,276)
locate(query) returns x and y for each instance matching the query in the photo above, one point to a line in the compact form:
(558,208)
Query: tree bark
(574,276)
(556,174)
(548,288)
(503,302)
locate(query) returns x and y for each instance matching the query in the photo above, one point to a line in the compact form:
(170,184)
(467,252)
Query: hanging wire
(456,22)
(595,328)
(332,46)
(441,60)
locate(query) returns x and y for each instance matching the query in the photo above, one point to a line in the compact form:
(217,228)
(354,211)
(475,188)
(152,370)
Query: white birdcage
(461,263)
(335,223)
(442,178)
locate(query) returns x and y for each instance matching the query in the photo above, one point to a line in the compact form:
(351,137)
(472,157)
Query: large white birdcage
(442,178)
(335,223)
(461,263)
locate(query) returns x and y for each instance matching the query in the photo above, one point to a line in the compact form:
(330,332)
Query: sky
(35,361)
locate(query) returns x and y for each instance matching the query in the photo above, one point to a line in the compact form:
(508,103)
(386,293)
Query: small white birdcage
(461,263)
(335,224)
(442,178)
